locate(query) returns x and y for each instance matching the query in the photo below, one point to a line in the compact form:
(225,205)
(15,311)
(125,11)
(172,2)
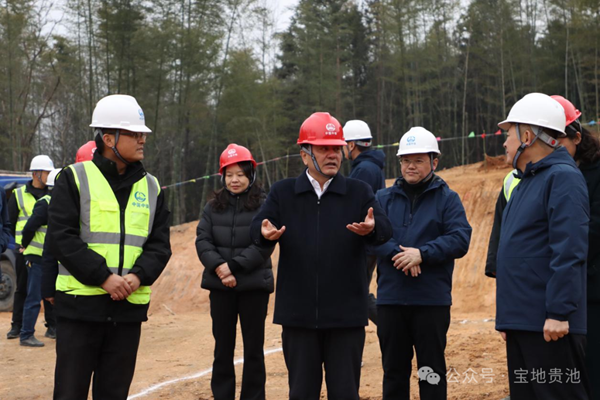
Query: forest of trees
(211,72)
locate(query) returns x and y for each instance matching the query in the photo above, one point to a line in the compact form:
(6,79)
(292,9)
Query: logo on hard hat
(139,196)
(141,114)
(231,151)
(330,127)
(410,141)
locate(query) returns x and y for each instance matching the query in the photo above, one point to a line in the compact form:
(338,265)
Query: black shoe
(51,332)
(15,332)
(31,342)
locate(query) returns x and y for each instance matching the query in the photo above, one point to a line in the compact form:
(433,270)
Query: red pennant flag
(483,135)
(498,132)
(439,139)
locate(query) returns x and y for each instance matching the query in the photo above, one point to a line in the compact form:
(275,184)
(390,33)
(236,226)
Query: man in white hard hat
(367,166)
(34,237)
(20,207)
(108,228)
(415,269)
(541,260)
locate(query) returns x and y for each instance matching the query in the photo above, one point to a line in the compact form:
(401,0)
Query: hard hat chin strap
(539,134)
(431,172)
(308,150)
(114,148)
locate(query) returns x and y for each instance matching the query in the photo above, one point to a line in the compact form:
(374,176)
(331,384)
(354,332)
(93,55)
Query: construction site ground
(176,349)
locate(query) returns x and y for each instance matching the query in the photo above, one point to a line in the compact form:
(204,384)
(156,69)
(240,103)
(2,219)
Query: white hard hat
(356,130)
(52,177)
(119,111)
(537,109)
(418,140)
(41,163)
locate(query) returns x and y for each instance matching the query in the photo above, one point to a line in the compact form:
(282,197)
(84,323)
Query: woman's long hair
(250,201)
(588,150)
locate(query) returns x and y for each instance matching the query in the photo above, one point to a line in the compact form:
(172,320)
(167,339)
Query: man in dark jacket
(109,229)
(33,242)
(20,207)
(415,269)
(541,264)
(367,166)
(322,288)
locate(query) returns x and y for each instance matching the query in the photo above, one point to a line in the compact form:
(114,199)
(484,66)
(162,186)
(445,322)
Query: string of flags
(379,146)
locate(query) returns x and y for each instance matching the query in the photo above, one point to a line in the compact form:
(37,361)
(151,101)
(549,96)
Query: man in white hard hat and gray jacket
(109,231)
(541,261)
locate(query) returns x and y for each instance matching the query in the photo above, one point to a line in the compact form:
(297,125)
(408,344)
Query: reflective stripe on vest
(25,203)
(36,246)
(100,227)
(510,183)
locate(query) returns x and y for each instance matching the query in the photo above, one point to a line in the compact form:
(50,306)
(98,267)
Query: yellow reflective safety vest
(118,237)
(510,183)
(36,246)
(25,202)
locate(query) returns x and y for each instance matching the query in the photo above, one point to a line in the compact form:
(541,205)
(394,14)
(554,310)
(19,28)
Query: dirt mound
(498,162)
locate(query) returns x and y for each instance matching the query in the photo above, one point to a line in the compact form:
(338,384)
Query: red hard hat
(321,129)
(86,152)
(571,112)
(234,154)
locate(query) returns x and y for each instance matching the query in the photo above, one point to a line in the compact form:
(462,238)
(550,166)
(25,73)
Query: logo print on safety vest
(139,196)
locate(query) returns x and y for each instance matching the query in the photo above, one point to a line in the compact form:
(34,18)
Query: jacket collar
(436,182)
(558,156)
(337,185)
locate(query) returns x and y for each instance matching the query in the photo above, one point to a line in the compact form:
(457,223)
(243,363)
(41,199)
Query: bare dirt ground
(177,343)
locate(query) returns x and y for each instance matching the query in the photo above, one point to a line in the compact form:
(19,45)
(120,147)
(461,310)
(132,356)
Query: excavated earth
(175,354)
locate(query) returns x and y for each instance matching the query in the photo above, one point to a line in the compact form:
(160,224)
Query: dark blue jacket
(368,167)
(322,272)
(4,222)
(437,225)
(541,265)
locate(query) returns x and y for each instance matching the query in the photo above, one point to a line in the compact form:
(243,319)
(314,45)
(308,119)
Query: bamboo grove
(211,72)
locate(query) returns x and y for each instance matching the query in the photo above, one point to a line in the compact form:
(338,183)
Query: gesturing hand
(269,231)
(365,227)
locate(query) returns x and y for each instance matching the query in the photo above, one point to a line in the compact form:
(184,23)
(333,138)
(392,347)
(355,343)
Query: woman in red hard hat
(237,273)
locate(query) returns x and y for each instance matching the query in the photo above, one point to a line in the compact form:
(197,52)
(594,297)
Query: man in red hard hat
(86,152)
(322,283)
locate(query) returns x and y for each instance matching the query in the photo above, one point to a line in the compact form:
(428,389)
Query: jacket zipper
(237,199)
(317,264)
(122,243)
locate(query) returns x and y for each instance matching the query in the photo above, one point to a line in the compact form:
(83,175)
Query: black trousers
(20,291)
(534,363)
(21,295)
(593,348)
(251,306)
(400,329)
(106,350)
(306,351)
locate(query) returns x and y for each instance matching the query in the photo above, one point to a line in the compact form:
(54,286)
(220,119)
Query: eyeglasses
(135,135)
(417,163)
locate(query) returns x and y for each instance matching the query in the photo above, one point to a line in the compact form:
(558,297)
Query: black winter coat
(322,273)
(224,237)
(591,173)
